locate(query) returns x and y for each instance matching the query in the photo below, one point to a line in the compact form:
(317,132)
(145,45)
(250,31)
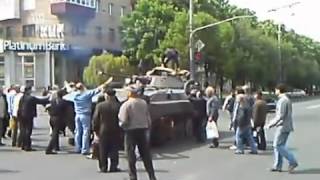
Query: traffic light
(198,57)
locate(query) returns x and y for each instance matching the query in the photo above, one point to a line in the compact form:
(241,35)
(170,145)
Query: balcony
(73,8)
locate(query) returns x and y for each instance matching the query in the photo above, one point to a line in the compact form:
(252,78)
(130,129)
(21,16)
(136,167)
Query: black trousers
(199,128)
(108,149)
(261,138)
(26,132)
(138,138)
(55,123)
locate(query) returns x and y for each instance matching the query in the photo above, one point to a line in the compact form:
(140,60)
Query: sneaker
(275,170)
(233,147)
(51,153)
(292,167)
(239,152)
(253,152)
(1,144)
(89,156)
(115,170)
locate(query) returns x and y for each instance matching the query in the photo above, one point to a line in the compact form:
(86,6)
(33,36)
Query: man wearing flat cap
(106,127)
(135,119)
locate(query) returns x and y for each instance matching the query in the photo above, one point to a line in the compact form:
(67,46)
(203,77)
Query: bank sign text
(7,45)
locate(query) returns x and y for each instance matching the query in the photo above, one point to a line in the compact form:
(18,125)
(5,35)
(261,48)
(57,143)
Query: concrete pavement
(176,161)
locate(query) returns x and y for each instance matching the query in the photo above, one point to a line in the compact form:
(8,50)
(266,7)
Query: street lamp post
(281,78)
(191,62)
(192,32)
(281,69)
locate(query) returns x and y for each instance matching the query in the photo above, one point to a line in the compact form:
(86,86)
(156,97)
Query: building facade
(44,42)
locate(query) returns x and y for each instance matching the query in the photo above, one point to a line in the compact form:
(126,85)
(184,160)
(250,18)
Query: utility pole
(191,61)
(281,69)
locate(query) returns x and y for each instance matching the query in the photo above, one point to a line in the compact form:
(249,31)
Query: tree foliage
(104,66)
(241,50)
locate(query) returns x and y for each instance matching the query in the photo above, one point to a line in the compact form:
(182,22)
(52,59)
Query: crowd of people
(71,106)
(107,121)
(248,114)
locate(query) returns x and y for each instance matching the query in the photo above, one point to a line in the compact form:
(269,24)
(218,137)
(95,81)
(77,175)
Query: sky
(302,18)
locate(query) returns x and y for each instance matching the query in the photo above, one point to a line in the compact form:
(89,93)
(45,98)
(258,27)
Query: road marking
(313,107)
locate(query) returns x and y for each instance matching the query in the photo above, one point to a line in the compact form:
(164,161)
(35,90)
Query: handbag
(212,130)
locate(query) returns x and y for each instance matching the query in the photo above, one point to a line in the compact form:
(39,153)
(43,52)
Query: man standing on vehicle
(135,119)
(284,126)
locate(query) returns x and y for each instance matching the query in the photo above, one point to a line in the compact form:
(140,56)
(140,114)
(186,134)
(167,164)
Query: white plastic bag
(212,130)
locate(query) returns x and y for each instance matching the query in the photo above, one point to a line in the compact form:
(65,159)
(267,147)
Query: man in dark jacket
(259,119)
(106,127)
(27,112)
(57,113)
(3,115)
(199,116)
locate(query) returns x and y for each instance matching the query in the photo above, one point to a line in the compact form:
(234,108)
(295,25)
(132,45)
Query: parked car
(271,100)
(297,93)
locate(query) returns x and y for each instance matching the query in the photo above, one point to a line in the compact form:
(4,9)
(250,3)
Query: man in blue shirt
(82,99)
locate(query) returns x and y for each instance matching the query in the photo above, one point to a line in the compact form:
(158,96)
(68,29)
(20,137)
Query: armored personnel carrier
(169,106)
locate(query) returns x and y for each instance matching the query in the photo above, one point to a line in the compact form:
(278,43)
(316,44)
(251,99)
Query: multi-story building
(44,42)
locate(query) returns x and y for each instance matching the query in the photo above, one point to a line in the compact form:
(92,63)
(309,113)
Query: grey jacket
(243,117)
(283,119)
(213,105)
(134,114)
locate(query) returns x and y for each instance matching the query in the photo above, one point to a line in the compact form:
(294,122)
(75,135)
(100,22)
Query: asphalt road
(185,160)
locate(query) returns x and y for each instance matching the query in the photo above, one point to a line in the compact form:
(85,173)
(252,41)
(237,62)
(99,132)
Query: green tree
(102,67)
(145,27)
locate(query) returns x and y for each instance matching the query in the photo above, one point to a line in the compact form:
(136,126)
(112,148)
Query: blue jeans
(82,134)
(245,134)
(281,151)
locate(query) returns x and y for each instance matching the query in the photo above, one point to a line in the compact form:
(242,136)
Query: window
(122,11)
(29,30)
(112,35)
(78,30)
(99,32)
(9,32)
(2,71)
(29,5)
(1,33)
(110,8)
(98,6)
(29,70)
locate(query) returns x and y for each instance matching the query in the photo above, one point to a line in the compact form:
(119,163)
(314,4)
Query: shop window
(9,32)
(112,35)
(2,71)
(29,30)
(29,70)
(1,33)
(110,8)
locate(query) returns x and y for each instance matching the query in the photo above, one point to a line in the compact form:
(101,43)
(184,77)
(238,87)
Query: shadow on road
(7,171)
(144,171)
(10,150)
(308,171)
